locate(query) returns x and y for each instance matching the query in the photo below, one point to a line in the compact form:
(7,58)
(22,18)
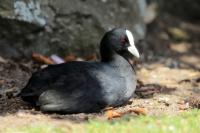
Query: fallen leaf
(112,114)
(138,111)
(108,108)
(92,57)
(70,57)
(42,59)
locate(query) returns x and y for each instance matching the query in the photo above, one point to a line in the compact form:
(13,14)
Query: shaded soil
(168,74)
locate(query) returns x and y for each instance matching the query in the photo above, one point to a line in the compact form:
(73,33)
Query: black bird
(75,87)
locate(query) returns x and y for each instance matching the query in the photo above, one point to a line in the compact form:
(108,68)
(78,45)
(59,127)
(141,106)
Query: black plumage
(76,87)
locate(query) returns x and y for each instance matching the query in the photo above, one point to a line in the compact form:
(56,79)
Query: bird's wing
(71,82)
(72,92)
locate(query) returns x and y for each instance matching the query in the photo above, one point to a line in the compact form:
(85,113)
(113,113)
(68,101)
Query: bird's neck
(119,61)
(111,57)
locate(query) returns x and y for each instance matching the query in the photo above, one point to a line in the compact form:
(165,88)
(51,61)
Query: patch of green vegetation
(36,128)
(187,122)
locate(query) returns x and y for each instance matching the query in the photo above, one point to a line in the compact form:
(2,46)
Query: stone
(64,26)
(24,10)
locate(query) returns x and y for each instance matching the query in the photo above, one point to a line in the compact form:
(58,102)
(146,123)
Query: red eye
(124,40)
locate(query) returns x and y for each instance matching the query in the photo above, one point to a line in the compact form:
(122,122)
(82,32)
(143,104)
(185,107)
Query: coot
(79,86)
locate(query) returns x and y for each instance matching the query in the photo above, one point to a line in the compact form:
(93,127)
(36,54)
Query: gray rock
(64,26)
(24,10)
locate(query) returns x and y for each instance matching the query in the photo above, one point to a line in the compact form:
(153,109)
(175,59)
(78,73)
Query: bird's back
(62,75)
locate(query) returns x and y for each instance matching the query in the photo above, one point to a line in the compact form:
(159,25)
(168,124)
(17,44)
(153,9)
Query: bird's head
(120,41)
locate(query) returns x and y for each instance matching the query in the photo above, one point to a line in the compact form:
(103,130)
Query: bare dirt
(168,75)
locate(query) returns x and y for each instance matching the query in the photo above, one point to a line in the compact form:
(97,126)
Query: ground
(169,69)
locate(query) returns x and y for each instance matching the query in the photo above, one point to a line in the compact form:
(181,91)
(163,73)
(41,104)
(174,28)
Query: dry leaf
(138,111)
(42,59)
(92,57)
(113,114)
(108,108)
(70,57)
